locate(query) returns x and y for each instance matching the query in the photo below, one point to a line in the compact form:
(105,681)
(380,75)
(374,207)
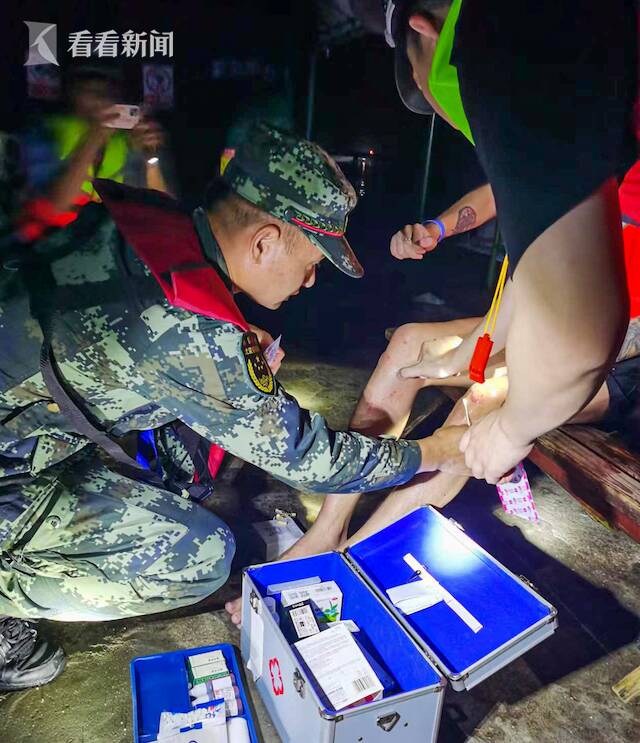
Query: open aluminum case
(422,651)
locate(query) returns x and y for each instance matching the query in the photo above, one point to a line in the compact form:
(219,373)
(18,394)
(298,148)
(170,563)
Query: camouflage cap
(299,183)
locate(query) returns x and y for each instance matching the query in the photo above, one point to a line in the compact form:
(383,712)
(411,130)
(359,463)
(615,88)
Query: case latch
(526,581)
(299,683)
(388,722)
(254,601)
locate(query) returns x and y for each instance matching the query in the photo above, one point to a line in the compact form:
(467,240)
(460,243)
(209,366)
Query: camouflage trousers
(96,545)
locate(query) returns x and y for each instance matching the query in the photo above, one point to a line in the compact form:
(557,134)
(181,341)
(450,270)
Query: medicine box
(326,598)
(206,666)
(489,618)
(161,683)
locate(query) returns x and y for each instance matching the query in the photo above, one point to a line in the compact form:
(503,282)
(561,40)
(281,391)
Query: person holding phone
(63,153)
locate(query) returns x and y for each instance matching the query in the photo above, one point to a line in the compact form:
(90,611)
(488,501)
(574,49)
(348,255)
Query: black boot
(26,660)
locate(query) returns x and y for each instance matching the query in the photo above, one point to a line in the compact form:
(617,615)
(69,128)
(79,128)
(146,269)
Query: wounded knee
(404,346)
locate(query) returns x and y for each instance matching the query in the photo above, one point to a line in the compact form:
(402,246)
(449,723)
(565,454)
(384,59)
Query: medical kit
(190,696)
(421,605)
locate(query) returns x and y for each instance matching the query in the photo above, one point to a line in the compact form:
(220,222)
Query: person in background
(553,170)
(62,153)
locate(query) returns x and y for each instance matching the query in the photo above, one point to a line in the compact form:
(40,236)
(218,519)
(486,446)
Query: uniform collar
(210,246)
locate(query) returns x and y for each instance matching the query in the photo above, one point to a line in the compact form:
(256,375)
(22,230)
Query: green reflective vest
(443,78)
(69,131)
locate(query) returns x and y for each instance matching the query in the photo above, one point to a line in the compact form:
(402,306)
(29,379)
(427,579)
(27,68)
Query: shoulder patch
(259,371)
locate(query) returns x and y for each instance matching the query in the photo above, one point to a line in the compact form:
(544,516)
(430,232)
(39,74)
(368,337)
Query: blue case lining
(394,647)
(503,606)
(160,682)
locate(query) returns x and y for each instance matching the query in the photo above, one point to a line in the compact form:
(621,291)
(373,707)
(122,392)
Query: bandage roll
(238,730)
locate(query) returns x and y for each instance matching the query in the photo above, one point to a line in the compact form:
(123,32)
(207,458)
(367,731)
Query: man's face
(285,270)
(90,98)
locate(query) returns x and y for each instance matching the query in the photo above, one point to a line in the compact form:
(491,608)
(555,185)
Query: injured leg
(383,409)
(439,488)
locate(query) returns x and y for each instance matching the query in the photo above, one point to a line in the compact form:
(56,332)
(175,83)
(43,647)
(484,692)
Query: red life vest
(163,236)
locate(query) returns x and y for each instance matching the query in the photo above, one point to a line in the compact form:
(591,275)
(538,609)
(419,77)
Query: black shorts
(623,384)
(548,87)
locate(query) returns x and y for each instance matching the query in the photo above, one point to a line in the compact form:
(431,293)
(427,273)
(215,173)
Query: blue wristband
(440,226)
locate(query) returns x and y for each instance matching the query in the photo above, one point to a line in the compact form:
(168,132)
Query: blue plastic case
(160,682)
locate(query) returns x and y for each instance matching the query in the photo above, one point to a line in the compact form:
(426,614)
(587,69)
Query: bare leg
(439,488)
(383,409)
(596,408)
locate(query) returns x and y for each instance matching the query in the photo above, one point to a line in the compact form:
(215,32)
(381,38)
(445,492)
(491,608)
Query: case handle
(388,722)
(298,683)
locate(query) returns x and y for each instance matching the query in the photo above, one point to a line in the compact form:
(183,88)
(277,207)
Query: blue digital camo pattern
(141,371)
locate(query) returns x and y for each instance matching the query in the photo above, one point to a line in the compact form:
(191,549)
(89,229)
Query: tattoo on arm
(466,220)
(631,342)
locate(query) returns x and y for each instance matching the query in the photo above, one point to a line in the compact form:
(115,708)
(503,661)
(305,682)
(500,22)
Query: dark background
(356,109)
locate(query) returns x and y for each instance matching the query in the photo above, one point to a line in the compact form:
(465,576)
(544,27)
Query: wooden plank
(606,445)
(595,480)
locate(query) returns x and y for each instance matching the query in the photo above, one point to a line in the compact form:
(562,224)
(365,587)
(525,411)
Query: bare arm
(155,179)
(65,189)
(148,138)
(469,212)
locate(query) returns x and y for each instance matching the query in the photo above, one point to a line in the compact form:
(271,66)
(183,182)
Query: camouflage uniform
(78,539)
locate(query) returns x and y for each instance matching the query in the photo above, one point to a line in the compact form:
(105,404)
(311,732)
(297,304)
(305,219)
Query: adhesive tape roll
(238,730)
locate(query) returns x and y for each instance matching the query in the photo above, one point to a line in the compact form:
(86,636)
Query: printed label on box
(339,667)
(205,666)
(326,596)
(304,622)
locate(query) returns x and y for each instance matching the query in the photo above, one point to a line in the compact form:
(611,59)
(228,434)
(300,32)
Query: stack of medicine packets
(203,725)
(311,620)
(210,679)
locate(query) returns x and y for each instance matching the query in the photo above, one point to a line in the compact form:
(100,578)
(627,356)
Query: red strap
(216,455)
(164,238)
(39,215)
